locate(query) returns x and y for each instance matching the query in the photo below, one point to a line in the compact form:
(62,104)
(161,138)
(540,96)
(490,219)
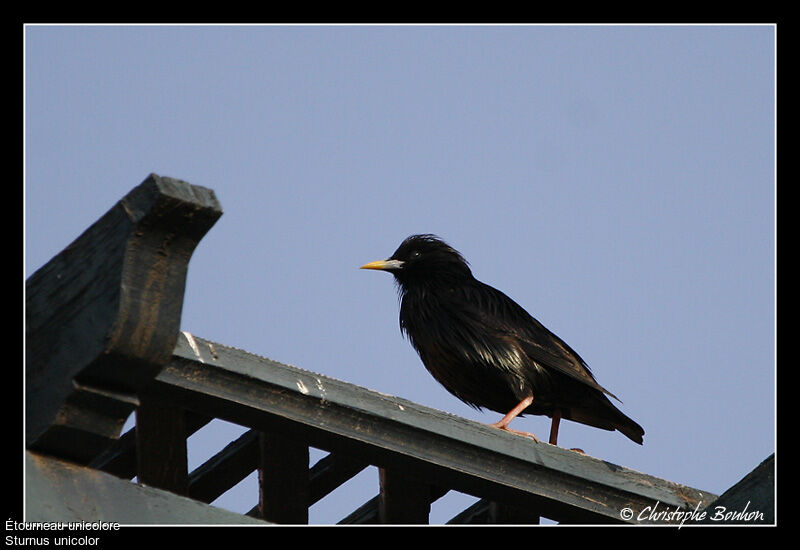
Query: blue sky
(616,181)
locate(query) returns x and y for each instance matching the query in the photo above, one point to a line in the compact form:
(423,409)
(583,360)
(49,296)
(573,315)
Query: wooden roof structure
(103,340)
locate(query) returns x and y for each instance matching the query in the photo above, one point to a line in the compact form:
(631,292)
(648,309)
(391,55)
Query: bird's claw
(501,426)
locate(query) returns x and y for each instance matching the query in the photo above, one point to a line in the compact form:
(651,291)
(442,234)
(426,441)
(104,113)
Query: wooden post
(402,500)
(283,479)
(103,316)
(161,445)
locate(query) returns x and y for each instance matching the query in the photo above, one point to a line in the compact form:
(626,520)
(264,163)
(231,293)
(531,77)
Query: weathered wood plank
(61,491)
(102,316)
(390,432)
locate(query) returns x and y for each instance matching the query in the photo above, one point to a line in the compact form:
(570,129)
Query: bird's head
(423,259)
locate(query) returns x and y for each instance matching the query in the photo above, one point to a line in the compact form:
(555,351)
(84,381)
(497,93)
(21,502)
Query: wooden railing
(103,340)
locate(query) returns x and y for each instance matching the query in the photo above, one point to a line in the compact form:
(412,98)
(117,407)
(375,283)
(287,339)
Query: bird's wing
(509,321)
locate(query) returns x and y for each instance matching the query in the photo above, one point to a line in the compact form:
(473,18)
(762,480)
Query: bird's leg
(554,427)
(554,430)
(512,414)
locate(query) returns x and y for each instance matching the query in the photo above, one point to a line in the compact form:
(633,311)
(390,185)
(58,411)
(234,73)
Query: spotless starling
(487,350)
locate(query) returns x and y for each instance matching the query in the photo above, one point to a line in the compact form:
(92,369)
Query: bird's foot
(504,426)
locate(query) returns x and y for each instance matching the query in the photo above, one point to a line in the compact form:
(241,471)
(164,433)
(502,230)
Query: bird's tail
(631,430)
(609,417)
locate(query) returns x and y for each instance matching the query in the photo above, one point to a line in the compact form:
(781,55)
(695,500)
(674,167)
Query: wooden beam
(366,514)
(226,468)
(392,433)
(102,317)
(329,473)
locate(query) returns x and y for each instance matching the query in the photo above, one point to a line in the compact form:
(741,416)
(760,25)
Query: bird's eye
(414,254)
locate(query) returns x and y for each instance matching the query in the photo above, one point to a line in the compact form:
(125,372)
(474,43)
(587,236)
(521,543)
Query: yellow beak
(384,265)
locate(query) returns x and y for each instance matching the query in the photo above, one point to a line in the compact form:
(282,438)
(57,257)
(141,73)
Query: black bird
(487,350)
